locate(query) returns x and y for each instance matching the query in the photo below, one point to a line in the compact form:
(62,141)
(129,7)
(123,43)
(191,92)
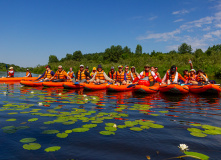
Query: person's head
(11,68)
(126,68)
(94,69)
(173,69)
(156,69)
(200,71)
(48,67)
(120,67)
(112,69)
(192,71)
(185,72)
(60,68)
(27,70)
(152,68)
(81,67)
(99,68)
(71,69)
(132,69)
(86,68)
(147,67)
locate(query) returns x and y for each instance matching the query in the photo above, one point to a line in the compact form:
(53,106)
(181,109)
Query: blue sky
(31,30)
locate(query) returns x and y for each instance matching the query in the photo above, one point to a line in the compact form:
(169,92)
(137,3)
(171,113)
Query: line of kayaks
(171,89)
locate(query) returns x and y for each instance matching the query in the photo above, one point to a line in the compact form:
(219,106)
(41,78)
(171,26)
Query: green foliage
(185,48)
(77,56)
(52,59)
(138,51)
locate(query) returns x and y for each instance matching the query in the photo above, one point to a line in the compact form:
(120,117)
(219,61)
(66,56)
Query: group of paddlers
(122,76)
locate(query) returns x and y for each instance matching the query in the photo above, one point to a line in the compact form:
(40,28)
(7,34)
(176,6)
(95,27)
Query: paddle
(131,85)
(6,66)
(76,83)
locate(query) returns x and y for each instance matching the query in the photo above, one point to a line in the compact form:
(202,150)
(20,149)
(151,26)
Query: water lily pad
(62,135)
(195,124)
(194,130)
(50,131)
(130,123)
(52,149)
(196,154)
(208,127)
(212,131)
(121,126)
(109,124)
(12,119)
(32,146)
(198,134)
(27,140)
(163,111)
(156,126)
(110,128)
(107,133)
(33,119)
(80,129)
(89,125)
(68,131)
(136,129)
(144,127)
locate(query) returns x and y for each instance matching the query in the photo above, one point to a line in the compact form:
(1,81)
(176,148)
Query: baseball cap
(147,65)
(120,66)
(99,66)
(87,67)
(173,68)
(192,70)
(112,67)
(132,67)
(81,65)
(47,66)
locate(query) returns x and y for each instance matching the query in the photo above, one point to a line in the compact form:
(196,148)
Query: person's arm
(55,75)
(65,73)
(141,74)
(87,75)
(181,77)
(164,78)
(92,80)
(41,76)
(106,77)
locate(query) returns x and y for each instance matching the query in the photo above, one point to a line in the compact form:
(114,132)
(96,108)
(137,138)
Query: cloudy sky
(30,31)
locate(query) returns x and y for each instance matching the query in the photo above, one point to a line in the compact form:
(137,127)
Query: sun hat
(192,70)
(99,66)
(81,65)
(120,66)
(132,67)
(60,66)
(147,65)
(11,68)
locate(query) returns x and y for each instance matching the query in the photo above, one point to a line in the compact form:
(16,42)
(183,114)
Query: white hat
(81,65)
(59,66)
(11,68)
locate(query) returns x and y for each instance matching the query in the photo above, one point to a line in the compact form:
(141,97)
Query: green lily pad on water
(136,129)
(121,126)
(52,149)
(156,126)
(212,131)
(109,124)
(208,127)
(130,123)
(68,131)
(12,119)
(198,134)
(80,129)
(198,155)
(33,119)
(196,125)
(62,135)
(110,128)
(144,127)
(194,130)
(13,113)
(163,111)
(27,140)
(50,132)
(32,146)
(107,133)
(89,125)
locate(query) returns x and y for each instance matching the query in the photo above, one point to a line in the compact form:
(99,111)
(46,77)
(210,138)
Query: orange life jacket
(100,75)
(171,77)
(112,75)
(186,76)
(193,77)
(92,74)
(30,75)
(120,77)
(47,74)
(200,79)
(149,75)
(81,75)
(134,75)
(70,74)
(11,74)
(61,75)
(128,75)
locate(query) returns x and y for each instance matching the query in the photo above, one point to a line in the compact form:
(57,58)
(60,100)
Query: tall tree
(138,51)
(53,58)
(77,56)
(185,48)
(69,56)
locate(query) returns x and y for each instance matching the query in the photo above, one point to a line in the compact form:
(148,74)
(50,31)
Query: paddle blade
(131,85)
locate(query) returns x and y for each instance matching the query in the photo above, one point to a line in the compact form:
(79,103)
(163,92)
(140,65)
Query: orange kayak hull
(146,89)
(121,88)
(18,79)
(31,83)
(92,86)
(71,85)
(205,89)
(174,89)
(53,84)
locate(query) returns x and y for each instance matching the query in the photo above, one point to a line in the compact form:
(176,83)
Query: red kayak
(173,89)
(17,79)
(92,86)
(31,83)
(121,88)
(205,89)
(71,85)
(146,89)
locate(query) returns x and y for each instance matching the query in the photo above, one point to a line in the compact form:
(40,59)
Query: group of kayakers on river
(149,75)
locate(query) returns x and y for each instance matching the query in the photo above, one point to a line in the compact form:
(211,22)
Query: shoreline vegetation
(209,61)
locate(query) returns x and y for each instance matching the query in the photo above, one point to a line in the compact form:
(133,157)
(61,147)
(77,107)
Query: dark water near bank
(165,120)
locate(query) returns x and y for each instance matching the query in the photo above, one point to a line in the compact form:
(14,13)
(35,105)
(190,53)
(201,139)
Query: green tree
(138,51)
(77,56)
(69,56)
(185,48)
(113,54)
(53,58)
(198,52)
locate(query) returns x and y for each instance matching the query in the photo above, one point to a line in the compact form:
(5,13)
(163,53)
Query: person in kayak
(81,76)
(28,73)
(93,72)
(192,77)
(156,72)
(185,74)
(201,78)
(100,76)
(60,75)
(120,78)
(134,73)
(71,73)
(87,70)
(112,73)
(47,74)
(172,76)
(11,72)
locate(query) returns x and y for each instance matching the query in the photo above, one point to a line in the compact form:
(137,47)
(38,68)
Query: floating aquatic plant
(32,146)
(62,135)
(27,140)
(52,149)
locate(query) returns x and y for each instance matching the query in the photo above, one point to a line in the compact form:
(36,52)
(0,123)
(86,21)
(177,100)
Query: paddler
(128,75)
(100,76)
(60,75)
(172,76)
(120,78)
(47,74)
(156,72)
(28,73)
(134,73)
(81,76)
(201,77)
(112,73)
(93,72)
(192,77)
(71,73)
(11,72)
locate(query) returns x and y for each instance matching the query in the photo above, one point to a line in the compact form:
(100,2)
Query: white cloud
(218,25)
(152,18)
(180,12)
(179,20)
(216,33)
(207,28)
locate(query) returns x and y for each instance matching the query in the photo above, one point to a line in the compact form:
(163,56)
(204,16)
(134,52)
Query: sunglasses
(146,67)
(81,67)
(126,68)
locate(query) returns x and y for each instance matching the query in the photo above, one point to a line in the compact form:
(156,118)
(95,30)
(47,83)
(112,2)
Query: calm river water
(54,123)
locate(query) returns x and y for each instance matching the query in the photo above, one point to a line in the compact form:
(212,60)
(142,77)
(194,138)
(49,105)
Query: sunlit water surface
(148,126)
